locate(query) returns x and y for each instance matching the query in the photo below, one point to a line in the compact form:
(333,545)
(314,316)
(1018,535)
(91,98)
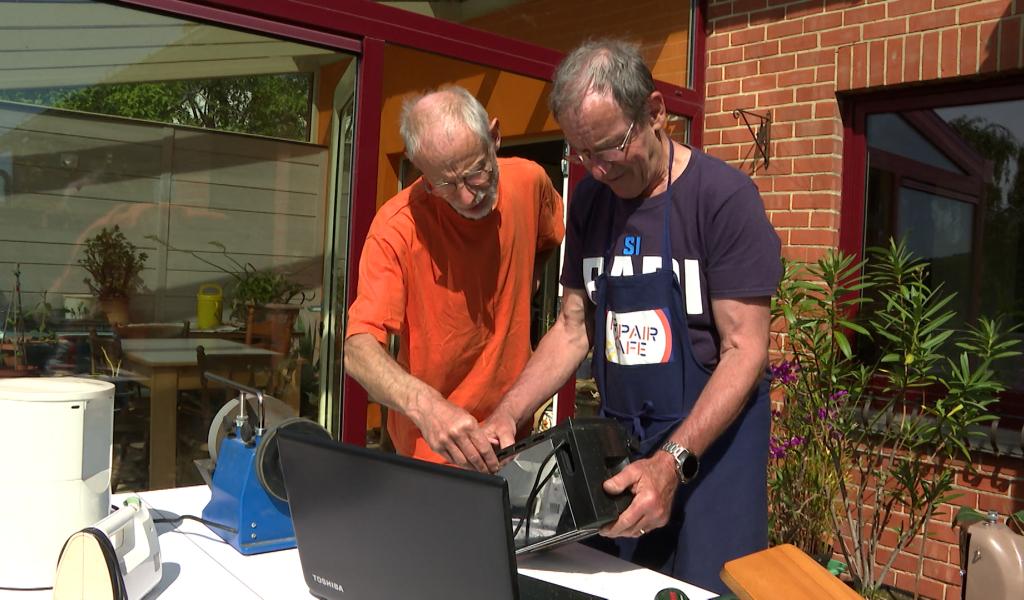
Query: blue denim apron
(649,380)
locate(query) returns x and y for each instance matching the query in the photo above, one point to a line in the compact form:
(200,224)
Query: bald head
(430,122)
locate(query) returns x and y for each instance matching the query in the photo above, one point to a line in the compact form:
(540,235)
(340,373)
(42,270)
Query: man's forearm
(384,379)
(557,356)
(743,325)
(722,399)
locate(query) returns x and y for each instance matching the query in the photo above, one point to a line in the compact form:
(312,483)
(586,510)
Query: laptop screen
(372,526)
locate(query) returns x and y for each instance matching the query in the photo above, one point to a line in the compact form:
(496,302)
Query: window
(945,171)
(212,150)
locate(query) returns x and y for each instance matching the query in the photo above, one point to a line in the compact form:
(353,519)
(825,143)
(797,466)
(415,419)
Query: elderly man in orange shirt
(449,266)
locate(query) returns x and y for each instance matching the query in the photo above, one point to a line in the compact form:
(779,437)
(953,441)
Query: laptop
(376,526)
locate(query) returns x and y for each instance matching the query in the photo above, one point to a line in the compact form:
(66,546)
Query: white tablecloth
(197,564)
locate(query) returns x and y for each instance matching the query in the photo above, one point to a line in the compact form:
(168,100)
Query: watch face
(689,466)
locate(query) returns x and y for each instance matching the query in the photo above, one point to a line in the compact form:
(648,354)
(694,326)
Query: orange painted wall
(661,27)
(519,103)
(327,83)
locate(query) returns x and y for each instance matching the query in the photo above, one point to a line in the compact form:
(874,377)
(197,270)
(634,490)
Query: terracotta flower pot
(116,310)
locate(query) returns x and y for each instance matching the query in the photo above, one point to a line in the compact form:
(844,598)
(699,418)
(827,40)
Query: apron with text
(649,380)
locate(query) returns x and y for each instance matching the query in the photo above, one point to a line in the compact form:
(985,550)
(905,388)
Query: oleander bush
(879,397)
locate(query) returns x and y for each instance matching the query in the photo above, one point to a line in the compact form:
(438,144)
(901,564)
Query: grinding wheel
(223,423)
(268,456)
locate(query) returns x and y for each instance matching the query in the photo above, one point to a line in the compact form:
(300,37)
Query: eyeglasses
(616,154)
(474,180)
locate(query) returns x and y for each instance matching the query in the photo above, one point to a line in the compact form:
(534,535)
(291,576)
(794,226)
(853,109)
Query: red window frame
(855,109)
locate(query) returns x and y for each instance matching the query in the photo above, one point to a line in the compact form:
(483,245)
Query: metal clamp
(261,427)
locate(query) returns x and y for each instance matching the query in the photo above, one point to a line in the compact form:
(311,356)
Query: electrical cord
(534,491)
(177,521)
(526,535)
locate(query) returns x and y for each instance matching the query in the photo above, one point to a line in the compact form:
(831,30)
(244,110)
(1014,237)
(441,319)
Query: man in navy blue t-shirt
(670,263)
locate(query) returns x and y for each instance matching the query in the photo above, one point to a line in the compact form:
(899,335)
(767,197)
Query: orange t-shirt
(457,291)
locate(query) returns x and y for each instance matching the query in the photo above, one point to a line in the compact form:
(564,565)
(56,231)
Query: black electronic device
(556,478)
(376,526)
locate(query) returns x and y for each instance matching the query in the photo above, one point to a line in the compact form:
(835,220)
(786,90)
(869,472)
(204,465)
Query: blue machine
(247,491)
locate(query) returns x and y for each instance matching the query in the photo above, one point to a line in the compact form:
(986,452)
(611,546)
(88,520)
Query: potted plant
(252,288)
(265,300)
(115,267)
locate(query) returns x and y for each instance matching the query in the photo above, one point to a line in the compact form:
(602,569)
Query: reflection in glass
(210,149)
(995,130)
(981,146)
(541,513)
(678,128)
(890,132)
(939,230)
(879,208)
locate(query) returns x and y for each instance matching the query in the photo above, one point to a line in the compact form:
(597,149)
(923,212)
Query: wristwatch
(687,463)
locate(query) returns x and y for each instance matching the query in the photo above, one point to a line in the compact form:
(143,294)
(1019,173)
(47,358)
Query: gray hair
(455,108)
(602,66)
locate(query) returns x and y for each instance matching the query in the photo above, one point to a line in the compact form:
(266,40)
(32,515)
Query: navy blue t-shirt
(722,243)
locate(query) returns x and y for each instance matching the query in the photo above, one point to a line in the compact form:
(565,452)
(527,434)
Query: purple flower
(785,372)
(777,448)
(796,441)
(822,414)
(839,394)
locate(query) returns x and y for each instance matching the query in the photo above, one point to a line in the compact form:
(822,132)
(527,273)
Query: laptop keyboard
(531,588)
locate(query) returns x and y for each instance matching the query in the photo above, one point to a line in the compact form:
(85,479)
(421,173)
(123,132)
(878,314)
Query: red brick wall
(997,484)
(791,58)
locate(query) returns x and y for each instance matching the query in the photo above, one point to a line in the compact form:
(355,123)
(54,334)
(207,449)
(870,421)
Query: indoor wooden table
(168,366)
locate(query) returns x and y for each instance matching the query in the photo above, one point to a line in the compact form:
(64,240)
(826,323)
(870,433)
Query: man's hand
(448,430)
(454,434)
(653,482)
(500,428)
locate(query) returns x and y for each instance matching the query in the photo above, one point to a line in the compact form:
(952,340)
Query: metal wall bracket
(762,137)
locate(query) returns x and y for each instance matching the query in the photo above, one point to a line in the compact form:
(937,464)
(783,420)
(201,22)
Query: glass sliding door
(213,156)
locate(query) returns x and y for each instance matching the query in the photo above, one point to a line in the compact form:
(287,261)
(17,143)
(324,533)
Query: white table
(198,564)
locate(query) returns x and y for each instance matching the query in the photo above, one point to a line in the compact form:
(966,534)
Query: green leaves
(114,264)
(878,388)
(275,105)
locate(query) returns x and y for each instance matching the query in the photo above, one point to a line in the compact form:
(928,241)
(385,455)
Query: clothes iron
(248,501)
(118,558)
